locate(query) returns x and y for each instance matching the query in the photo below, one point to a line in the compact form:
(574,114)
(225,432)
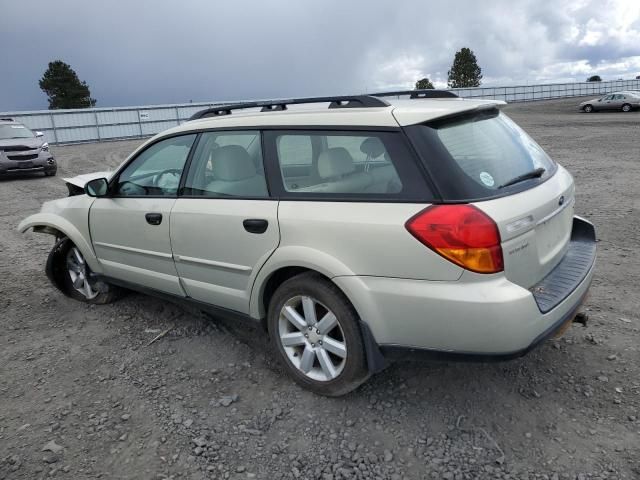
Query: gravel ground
(83,396)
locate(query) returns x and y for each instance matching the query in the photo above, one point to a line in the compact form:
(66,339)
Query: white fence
(96,124)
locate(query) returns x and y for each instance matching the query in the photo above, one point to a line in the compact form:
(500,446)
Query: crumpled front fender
(52,223)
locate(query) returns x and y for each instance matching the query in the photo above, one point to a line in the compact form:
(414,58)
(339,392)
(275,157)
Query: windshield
(15,131)
(473,155)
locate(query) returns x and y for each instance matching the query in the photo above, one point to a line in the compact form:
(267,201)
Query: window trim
(272,168)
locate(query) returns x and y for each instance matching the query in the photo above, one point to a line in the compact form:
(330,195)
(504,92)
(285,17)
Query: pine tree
(63,87)
(465,71)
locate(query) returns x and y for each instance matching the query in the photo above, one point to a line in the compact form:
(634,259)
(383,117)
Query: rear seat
(337,169)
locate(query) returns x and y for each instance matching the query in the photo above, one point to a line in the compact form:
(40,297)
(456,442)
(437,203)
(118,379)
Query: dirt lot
(206,401)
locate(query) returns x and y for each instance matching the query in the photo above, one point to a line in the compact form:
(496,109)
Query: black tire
(626,107)
(51,173)
(587,108)
(58,272)
(354,371)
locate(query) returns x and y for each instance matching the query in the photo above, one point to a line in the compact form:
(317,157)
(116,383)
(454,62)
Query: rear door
(130,228)
(224,225)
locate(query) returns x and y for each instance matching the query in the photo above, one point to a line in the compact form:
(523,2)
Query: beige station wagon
(356,230)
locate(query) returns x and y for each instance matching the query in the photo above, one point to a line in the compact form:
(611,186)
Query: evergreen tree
(63,87)
(465,71)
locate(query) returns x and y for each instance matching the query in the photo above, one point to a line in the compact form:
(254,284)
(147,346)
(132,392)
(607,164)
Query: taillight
(462,234)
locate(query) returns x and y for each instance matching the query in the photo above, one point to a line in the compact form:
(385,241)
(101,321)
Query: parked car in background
(354,233)
(624,101)
(23,151)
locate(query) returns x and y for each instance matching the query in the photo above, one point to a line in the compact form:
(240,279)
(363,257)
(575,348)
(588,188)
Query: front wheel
(70,273)
(626,107)
(587,109)
(315,331)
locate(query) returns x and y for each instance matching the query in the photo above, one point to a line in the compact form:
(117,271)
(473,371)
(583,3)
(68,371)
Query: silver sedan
(625,101)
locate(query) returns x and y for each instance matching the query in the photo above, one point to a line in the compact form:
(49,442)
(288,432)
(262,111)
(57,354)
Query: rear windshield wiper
(537,173)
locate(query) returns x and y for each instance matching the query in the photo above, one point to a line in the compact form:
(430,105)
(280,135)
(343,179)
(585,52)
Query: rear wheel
(588,108)
(626,107)
(70,272)
(315,331)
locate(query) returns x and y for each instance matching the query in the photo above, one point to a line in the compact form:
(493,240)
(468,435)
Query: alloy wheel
(312,338)
(79,274)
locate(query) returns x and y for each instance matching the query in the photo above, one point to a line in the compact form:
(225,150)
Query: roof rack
(425,93)
(347,101)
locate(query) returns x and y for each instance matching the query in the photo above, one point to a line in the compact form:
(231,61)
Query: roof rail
(347,101)
(425,93)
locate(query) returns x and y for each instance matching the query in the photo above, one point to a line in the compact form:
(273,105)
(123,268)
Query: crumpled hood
(81,180)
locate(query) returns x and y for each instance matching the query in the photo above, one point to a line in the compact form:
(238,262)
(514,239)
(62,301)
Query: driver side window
(157,170)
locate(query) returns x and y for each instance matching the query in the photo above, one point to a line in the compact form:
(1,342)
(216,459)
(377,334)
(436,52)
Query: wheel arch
(58,226)
(286,262)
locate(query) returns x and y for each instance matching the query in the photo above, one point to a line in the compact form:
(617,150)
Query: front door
(130,227)
(224,226)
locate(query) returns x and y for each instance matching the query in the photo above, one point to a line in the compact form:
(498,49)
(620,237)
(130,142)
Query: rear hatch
(482,157)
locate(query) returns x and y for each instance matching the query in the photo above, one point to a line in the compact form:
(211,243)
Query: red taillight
(462,234)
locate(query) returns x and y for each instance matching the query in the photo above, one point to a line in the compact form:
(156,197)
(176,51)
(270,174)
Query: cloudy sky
(137,52)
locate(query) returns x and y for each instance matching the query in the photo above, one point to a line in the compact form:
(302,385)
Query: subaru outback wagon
(354,230)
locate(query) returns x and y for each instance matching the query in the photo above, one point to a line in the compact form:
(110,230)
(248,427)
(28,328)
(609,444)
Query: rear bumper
(479,317)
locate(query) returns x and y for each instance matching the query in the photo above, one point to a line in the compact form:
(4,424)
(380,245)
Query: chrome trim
(133,250)
(212,263)
(556,211)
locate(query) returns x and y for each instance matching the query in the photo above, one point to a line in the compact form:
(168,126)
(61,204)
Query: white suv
(356,231)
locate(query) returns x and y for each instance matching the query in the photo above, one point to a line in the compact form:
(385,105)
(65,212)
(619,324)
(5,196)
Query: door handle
(255,225)
(153,218)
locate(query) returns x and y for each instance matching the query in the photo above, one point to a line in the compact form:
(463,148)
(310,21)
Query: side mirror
(39,134)
(97,187)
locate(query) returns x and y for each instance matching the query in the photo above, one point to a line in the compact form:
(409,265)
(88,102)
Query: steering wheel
(130,188)
(168,180)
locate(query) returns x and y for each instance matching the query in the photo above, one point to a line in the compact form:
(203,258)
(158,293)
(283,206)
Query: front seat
(235,173)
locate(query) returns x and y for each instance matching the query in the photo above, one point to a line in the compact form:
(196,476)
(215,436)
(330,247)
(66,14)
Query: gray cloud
(147,51)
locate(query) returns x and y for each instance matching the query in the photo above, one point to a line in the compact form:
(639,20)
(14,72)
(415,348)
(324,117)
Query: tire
(68,271)
(50,174)
(626,107)
(587,108)
(327,360)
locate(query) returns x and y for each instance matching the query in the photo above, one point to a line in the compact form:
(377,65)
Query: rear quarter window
(342,164)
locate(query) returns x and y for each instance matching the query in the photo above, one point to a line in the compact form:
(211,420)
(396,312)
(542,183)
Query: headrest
(372,147)
(232,163)
(335,162)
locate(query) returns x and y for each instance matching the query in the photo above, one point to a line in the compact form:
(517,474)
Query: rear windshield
(14,131)
(477,156)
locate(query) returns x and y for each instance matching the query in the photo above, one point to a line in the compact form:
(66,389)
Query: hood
(20,143)
(81,180)
(593,100)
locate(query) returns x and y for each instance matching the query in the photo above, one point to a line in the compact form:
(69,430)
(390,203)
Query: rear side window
(474,156)
(352,164)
